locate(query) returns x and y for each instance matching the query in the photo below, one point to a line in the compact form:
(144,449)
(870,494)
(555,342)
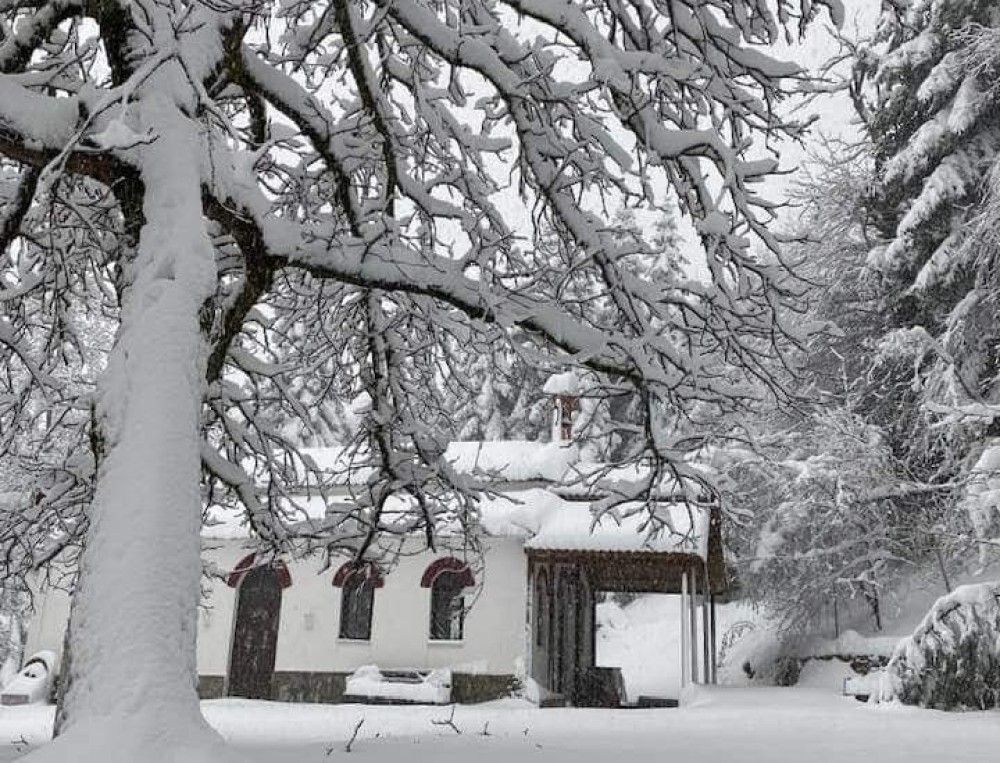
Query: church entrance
(255,636)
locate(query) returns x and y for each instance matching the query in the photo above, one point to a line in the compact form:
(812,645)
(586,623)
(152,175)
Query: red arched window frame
(248,562)
(349,568)
(448,564)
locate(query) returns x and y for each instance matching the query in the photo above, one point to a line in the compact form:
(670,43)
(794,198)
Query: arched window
(357,600)
(447,607)
(447,578)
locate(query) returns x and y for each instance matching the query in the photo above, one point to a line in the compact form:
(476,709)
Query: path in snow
(721,726)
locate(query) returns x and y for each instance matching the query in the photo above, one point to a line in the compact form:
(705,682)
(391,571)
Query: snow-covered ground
(721,725)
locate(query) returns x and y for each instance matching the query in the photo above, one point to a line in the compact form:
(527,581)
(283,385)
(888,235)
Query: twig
(350,742)
(20,745)
(449,721)
(354,736)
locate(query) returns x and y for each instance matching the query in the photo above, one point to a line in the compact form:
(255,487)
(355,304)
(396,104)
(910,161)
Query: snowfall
(811,722)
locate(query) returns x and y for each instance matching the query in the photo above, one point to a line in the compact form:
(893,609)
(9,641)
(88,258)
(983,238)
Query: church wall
(308,642)
(312,662)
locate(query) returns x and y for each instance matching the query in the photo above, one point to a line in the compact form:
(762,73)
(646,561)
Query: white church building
(521,612)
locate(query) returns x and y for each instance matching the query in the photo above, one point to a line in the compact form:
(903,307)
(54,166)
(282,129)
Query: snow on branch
(394,189)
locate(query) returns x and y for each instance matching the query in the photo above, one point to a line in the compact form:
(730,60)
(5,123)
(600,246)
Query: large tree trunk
(132,693)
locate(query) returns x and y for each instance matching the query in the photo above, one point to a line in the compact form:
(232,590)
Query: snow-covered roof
(545,521)
(567,383)
(335,463)
(573,527)
(555,514)
(496,460)
(537,516)
(513,460)
(230,522)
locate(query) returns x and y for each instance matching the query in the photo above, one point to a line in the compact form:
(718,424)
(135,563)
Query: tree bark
(132,691)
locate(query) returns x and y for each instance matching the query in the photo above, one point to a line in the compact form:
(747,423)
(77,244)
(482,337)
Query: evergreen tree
(931,109)
(934,123)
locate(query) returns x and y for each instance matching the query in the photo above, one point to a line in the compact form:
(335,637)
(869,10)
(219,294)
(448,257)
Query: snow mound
(830,675)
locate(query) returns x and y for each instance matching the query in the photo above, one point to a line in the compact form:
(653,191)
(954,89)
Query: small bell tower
(565,389)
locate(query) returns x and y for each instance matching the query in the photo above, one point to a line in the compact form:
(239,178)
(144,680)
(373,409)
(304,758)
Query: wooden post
(693,623)
(684,637)
(531,624)
(715,653)
(705,647)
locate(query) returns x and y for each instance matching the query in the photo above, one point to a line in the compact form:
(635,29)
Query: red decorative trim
(349,568)
(248,562)
(447,564)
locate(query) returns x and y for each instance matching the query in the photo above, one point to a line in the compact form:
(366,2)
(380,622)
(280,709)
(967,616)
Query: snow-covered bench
(370,685)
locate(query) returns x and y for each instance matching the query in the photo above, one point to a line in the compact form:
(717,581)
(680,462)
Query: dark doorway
(255,637)
(567,640)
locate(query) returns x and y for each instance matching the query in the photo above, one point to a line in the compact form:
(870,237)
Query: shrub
(952,660)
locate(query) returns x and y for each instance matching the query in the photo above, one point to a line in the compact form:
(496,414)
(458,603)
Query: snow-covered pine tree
(932,114)
(498,395)
(933,121)
(394,205)
(498,390)
(608,423)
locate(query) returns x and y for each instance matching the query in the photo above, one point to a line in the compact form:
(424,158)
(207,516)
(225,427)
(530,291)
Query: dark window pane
(447,607)
(356,600)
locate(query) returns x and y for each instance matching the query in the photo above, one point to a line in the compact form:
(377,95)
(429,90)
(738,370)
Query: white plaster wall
(494,627)
(218,608)
(47,628)
(310,611)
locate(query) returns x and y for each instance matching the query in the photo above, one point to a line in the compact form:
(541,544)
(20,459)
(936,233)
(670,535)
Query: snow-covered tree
(253,192)
(830,236)
(952,659)
(498,393)
(931,110)
(855,492)
(820,518)
(932,117)
(14,612)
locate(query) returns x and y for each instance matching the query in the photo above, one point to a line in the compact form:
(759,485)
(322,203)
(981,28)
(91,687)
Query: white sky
(834,111)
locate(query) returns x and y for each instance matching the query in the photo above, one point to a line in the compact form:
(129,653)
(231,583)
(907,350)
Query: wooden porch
(563,590)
